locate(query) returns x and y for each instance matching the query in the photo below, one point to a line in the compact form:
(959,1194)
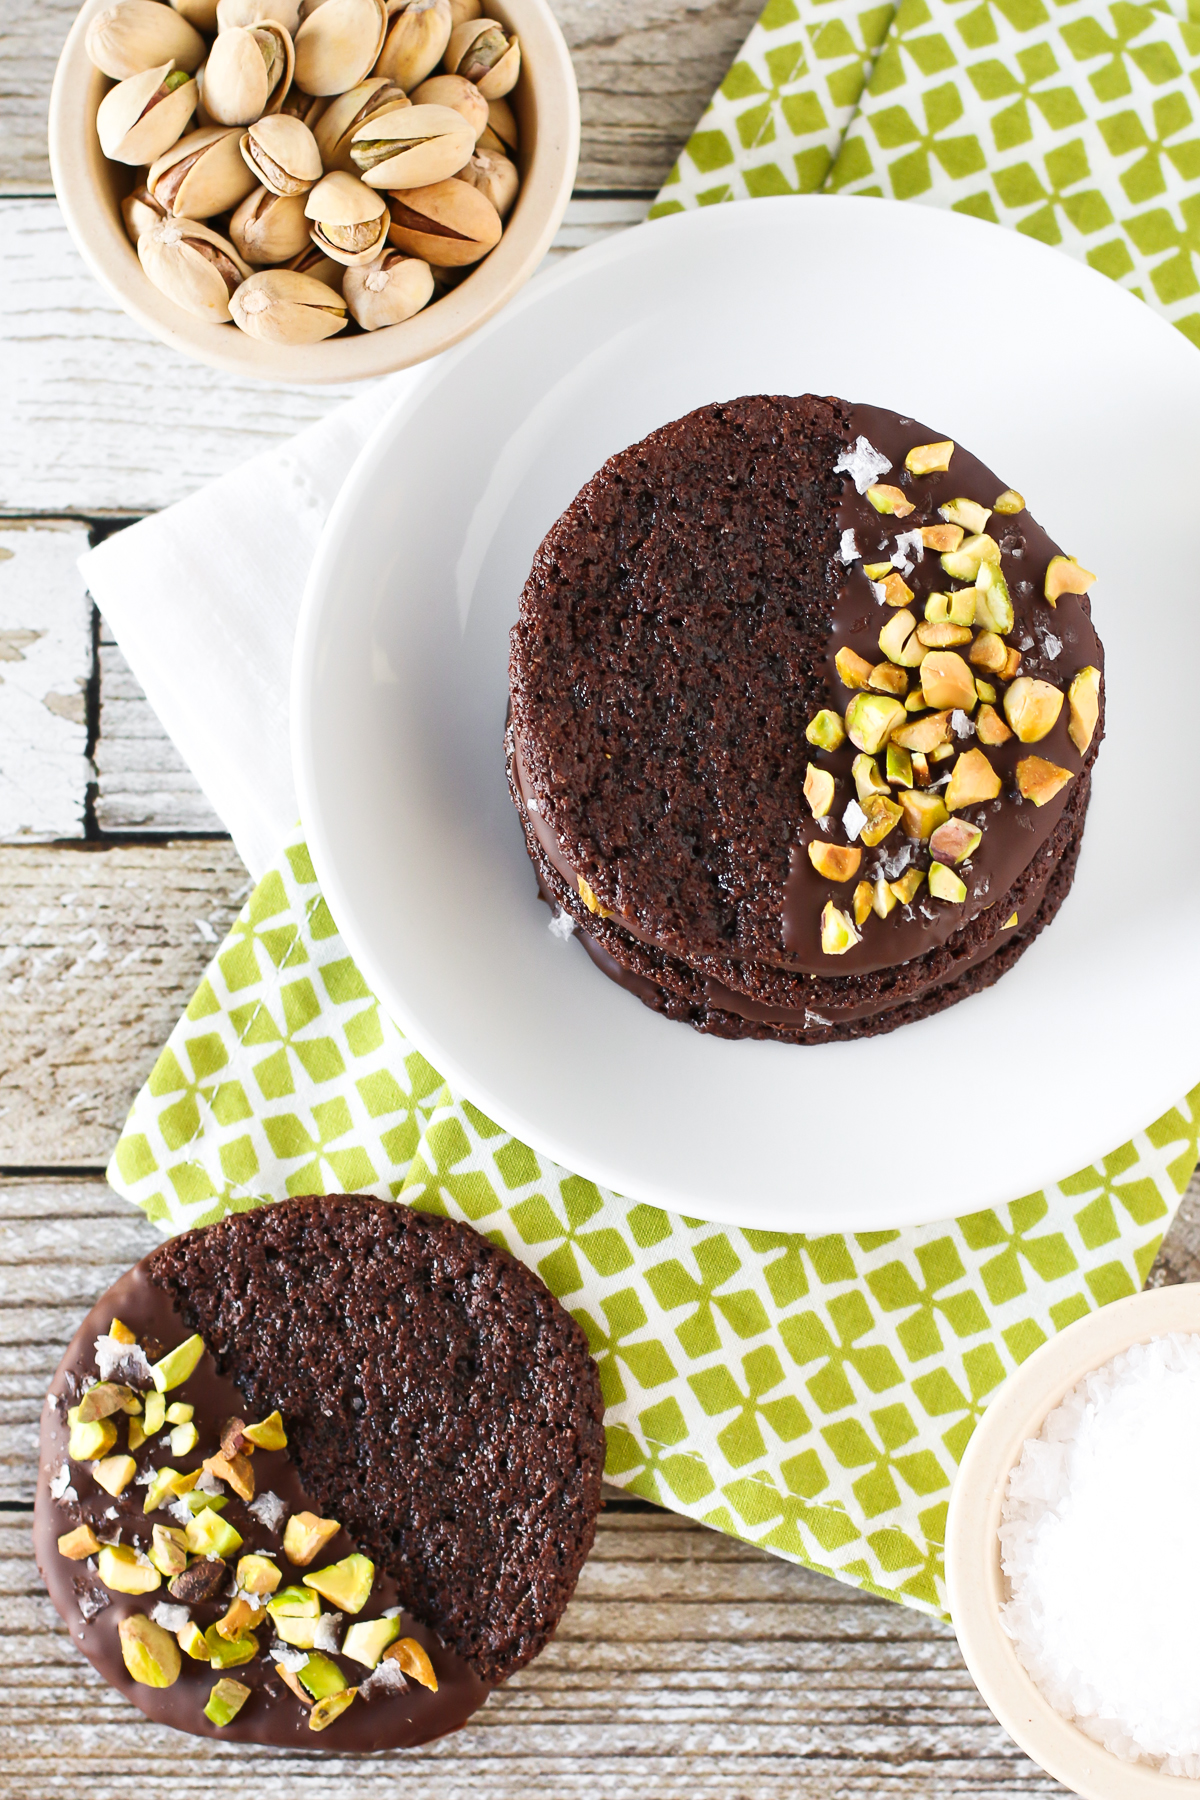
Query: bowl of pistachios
(313,190)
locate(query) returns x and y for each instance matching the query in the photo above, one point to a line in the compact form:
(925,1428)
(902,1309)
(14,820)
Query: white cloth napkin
(203,599)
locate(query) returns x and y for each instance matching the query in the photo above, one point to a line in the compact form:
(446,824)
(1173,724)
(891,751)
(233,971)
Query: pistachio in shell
(416,42)
(282,306)
(270,228)
(449,223)
(256,12)
(248,72)
(500,136)
(494,176)
(133,35)
(308,108)
(283,154)
(412,147)
(460,95)
(140,210)
(483,52)
(193,266)
(343,116)
(145,114)
(313,261)
(349,219)
(200,13)
(462,10)
(388,290)
(338,43)
(202,175)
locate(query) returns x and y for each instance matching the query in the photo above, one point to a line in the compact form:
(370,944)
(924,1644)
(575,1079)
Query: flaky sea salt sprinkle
(1097,1541)
(864,464)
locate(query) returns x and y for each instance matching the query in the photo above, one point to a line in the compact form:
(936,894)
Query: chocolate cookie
(804,706)
(380,1484)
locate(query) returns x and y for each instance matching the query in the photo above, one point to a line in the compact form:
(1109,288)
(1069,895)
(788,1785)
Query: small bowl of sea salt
(1073,1551)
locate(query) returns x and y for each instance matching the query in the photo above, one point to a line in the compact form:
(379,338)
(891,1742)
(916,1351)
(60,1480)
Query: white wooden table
(688,1664)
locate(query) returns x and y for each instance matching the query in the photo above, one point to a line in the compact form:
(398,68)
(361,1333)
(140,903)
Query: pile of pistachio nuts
(305,166)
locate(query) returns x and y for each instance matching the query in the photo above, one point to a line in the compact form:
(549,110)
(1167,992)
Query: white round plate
(1075,393)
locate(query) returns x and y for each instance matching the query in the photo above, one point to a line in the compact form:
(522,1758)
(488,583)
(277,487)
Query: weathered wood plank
(142,782)
(45,668)
(645,75)
(97,418)
(101,947)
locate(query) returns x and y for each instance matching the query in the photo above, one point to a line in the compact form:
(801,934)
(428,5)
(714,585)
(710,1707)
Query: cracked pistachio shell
(500,136)
(388,290)
(449,224)
(460,95)
(462,10)
(412,147)
(495,177)
(193,266)
(416,42)
(343,116)
(282,306)
(248,72)
(200,13)
(483,52)
(349,220)
(134,35)
(313,261)
(256,12)
(270,228)
(308,108)
(202,175)
(337,45)
(134,127)
(140,210)
(283,154)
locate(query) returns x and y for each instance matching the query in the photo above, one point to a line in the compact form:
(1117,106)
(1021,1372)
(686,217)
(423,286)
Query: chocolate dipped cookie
(320,1475)
(804,708)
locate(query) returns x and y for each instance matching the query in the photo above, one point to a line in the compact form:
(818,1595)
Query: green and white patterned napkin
(811,1395)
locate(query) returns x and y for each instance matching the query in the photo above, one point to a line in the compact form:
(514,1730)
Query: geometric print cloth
(812,1395)
(1076,123)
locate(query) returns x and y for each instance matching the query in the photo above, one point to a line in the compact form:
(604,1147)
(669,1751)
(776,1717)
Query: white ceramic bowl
(974,1581)
(90,190)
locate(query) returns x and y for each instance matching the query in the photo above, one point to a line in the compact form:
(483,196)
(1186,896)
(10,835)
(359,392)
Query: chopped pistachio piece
(1009,922)
(174,1368)
(268,1434)
(588,895)
(121,1333)
(121,1568)
(888,678)
(321,1676)
(208,1534)
(916,701)
(162,1489)
(1032,708)
(965,563)
(1009,502)
(920,736)
(154,1415)
(201,1580)
(836,862)
(305,1535)
(954,841)
(942,537)
(149,1651)
(867,778)
(290,1680)
(923,813)
(967,513)
(367,1639)
(893,590)
(827,732)
(297,1602)
(114,1474)
(956,608)
(230,1653)
(192,1642)
(993,602)
(863,897)
(184,1438)
(168,1551)
(941,752)
(241,1617)
(226,1701)
(257,1575)
(908,886)
(236,1470)
(877,571)
(920,763)
(972,781)
(1065,576)
(179,1413)
(929,459)
(989,652)
(898,642)
(136,1434)
(87,1442)
(332,1707)
(944,884)
(105,1398)
(838,930)
(819,790)
(1012,663)
(947,682)
(414,1662)
(987,692)
(197,1500)
(942,637)
(882,815)
(853,670)
(883,898)
(891,500)
(1083,699)
(300,1633)
(899,766)
(1040,780)
(78,1544)
(870,720)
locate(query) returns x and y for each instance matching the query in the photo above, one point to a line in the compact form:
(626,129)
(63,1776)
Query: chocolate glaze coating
(677,633)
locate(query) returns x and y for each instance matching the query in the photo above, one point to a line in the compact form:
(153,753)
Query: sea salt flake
(268,1509)
(208,1483)
(864,464)
(854,818)
(880,593)
(180,1511)
(961,724)
(171,1618)
(325,1637)
(127,1363)
(815,1018)
(90,1597)
(562,925)
(908,552)
(391,1612)
(288,1657)
(1052,646)
(145,1476)
(848,550)
(60,1481)
(386,1678)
